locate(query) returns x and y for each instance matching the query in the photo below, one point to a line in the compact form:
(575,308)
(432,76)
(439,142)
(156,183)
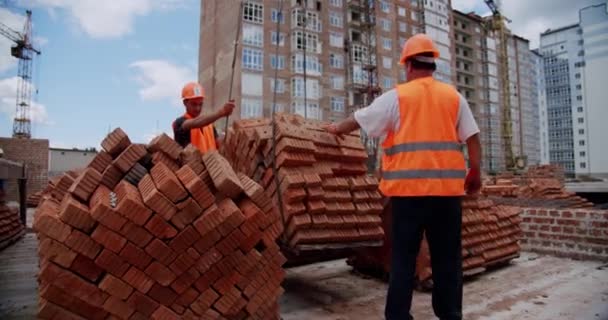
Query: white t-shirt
(382,116)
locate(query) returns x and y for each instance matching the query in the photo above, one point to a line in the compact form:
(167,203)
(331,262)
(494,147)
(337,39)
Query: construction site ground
(531,287)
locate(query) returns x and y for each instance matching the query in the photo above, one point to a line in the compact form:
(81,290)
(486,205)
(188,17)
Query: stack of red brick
(326,194)
(490,236)
(11,228)
(157,232)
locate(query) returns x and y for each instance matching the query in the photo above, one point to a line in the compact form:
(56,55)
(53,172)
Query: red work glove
(472,183)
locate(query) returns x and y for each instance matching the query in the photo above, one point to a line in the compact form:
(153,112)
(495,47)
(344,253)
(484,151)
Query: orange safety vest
(424,157)
(202,138)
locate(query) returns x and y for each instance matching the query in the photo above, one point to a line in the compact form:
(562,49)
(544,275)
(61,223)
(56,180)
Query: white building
(62,160)
(576,73)
(438,26)
(542,107)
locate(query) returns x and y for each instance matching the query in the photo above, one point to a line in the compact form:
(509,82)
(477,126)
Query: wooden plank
(19,294)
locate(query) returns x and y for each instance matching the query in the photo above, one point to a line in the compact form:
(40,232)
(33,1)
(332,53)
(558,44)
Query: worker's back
(424,156)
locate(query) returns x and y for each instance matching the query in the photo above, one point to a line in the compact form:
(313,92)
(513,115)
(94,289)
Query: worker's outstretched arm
(203,120)
(473,180)
(345,126)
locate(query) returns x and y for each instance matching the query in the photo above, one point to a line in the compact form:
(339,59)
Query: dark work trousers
(440,218)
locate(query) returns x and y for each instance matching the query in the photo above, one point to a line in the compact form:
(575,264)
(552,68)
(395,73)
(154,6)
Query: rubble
(327,196)
(179,237)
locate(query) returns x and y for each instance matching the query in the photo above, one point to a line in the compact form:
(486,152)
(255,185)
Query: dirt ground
(532,287)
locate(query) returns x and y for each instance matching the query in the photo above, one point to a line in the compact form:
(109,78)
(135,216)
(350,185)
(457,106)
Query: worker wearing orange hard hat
(425,124)
(196,127)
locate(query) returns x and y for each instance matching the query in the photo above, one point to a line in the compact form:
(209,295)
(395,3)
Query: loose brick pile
(157,232)
(490,236)
(11,228)
(326,194)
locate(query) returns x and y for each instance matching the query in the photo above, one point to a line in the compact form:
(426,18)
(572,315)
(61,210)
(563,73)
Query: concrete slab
(532,287)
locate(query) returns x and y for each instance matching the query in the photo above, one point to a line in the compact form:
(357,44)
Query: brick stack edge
(157,232)
(11,228)
(490,236)
(326,193)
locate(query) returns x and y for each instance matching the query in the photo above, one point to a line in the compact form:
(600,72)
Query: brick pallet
(11,228)
(328,200)
(157,232)
(490,236)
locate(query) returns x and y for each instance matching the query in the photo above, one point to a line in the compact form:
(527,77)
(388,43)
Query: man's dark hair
(424,65)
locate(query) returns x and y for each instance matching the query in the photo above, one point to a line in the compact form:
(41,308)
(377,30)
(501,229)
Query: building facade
(575,71)
(351,49)
(478,80)
(63,160)
(541,96)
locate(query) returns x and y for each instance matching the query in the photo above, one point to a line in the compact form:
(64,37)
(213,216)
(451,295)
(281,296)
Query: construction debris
(11,228)
(157,232)
(327,196)
(490,236)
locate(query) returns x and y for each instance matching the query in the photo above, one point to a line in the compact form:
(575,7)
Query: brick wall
(35,153)
(578,234)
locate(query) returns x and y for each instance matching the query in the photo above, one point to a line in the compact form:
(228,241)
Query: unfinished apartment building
(351,49)
(479,80)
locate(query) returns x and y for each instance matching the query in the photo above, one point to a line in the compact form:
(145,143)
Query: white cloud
(161,79)
(15,22)
(40,41)
(465,6)
(105,19)
(8,95)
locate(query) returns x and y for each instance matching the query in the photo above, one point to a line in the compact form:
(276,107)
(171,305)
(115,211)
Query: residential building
(478,80)
(541,96)
(351,49)
(576,71)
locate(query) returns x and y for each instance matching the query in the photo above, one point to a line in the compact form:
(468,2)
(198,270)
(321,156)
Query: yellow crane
(498,25)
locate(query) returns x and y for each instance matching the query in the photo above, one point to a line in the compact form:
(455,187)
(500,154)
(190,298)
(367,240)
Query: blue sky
(103,64)
(108,64)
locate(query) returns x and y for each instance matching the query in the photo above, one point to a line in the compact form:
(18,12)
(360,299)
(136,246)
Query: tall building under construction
(351,49)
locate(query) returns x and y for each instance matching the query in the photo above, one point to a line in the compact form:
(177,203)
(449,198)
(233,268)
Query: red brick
(581,214)
(130,204)
(161,157)
(211,218)
(160,228)
(195,185)
(82,244)
(187,297)
(163,143)
(160,273)
(76,214)
(204,301)
(115,287)
(85,184)
(222,174)
(567,214)
(185,239)
(56,252)
(49,310)
(136,234)
(166,181)
(64,299)
(107,217)
(185,281)
(139,316)
(108,238)
(599,224)
(164,313)
(101,161)
(86,268)
(71,283)
(115,142)
(142,303)
(135,256)
(111,176)
(565,222)
(112,263)
(129,157)
(207,241)
(153,198)
(182,263)
(47,222)
(118,308)
(188,210)
(231,242)
(164,295)
(224,304)
(161,252)
(138,280)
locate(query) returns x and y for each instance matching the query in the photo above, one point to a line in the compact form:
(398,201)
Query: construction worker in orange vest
(425,123)
(195,127)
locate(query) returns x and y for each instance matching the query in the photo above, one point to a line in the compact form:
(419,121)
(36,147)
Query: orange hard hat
(192,90)
(419,44)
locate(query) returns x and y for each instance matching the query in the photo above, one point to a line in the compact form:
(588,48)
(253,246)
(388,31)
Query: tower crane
(24,51)
(498,25)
